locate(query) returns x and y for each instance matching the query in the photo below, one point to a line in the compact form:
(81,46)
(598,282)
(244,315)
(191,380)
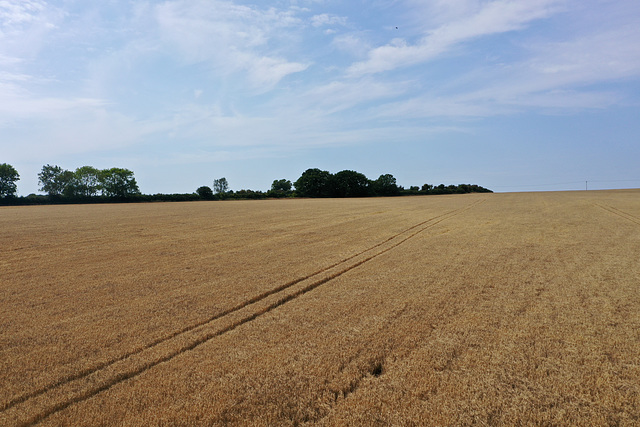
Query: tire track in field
(619,212)
(103,376)
(88,371)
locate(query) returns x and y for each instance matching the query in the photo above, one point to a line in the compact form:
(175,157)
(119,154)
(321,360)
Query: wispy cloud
(228,80)
(326,19)
(564,75)
(14,13)
(338,96)
(601,56)
(24,27)
(560,72)
(353,44)
(494,17)
(232,38)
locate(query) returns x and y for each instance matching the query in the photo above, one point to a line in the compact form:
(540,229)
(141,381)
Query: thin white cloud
(328,19)
(24,28)
(602,56)
(338,96)
(550,73)
(19,12)
(566,74)
(494,17)
(352,44)
(265,72)
(233,38)
(556,77)
(20,107)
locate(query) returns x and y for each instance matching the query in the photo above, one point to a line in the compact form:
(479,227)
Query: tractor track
(89,382)
(619,212)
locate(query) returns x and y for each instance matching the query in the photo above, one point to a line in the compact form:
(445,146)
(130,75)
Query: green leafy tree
(348,183)
(426,188)
(118,182)
(386,185)
(8,177)
(71,184)
(87,181)
(281,185)
(220,186)
(205,192)
(314,183)
(55,181)
(440,189)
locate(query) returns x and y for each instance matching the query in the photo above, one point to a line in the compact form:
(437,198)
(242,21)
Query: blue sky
(512,95)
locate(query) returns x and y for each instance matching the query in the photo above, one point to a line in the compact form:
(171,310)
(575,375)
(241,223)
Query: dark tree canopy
(313,183)
(205,192)
(8,177)
(348,183)
(71,186)
(281,185)
(386,185)
(118,182)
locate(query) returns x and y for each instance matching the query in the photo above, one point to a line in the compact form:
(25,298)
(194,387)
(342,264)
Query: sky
(513,95)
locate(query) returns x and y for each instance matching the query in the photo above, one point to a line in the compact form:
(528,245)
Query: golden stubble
(453,310)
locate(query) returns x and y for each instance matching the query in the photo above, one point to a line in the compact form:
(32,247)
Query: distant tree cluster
(446,189)
(90,185)
(320,183)
(87,181)
(348,183)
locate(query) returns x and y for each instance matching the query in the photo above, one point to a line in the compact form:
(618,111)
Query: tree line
(87,184)
(347,183)
(88,181)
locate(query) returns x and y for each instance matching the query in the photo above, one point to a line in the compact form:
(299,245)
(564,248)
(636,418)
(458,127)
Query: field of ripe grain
(439,310)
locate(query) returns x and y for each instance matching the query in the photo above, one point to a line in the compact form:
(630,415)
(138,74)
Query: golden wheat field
(492,309)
